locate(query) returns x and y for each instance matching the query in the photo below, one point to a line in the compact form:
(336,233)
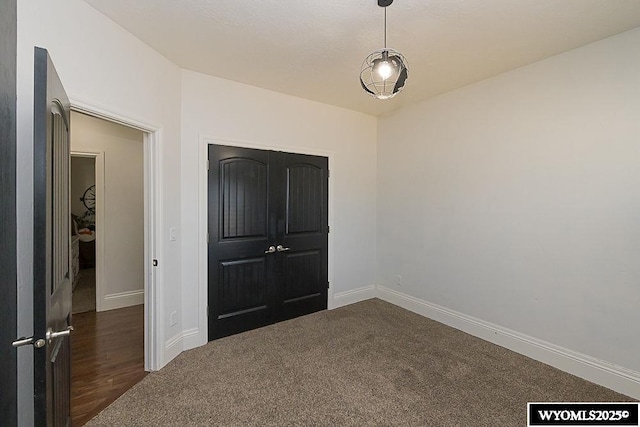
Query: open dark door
(268,237)
(51,286)
(8,222)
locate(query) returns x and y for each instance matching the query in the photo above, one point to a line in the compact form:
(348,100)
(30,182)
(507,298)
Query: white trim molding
(173,346)
(122,299)
(182,341)
(353,296)
(102,112)
(190,338)
(607,374)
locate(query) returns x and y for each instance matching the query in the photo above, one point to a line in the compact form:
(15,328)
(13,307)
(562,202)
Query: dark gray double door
(268,237)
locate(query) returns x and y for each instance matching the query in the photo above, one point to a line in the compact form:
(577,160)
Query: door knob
(22,341)
(281,248)
(29,341)
(51,335)
(271,250)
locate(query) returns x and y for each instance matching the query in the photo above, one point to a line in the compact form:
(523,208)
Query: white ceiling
(314,49)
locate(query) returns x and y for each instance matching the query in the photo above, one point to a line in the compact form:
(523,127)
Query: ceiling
(314,49)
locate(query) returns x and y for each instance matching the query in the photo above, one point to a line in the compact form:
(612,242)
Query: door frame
(153,303)
(203,146)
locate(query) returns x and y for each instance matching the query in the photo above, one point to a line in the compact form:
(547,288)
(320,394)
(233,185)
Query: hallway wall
(83,176)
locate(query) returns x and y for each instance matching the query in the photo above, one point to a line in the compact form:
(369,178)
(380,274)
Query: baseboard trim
(122,299)
(173,347)
(191,339)
(355,295)
(607,374)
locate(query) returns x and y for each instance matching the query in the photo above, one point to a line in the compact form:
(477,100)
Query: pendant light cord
(385,27)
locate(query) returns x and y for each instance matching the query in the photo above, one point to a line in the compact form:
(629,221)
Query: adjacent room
(352,213)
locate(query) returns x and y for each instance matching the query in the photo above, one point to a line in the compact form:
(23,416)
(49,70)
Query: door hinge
(208,165)
(155,262)
(328,229)
(207,238)
(328,285)
(207,311)
(328,173)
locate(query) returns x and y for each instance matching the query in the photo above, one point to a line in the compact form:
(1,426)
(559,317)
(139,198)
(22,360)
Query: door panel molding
(298,224)
(231,298)
(253,223)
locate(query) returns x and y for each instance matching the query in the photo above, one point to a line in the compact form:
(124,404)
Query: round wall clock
(89,198)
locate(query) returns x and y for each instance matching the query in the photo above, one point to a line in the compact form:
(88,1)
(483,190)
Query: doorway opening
(83,231)
(108,253)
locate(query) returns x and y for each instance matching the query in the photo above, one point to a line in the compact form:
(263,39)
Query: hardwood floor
(107,358)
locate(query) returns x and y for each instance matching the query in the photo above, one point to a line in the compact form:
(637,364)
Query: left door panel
(240,230)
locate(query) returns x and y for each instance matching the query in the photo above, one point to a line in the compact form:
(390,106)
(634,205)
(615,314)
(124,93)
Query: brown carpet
(84,294)
(367,364)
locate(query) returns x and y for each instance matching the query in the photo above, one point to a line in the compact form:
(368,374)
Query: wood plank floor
(107,358)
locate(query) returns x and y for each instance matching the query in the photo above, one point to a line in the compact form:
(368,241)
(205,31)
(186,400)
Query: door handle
(29,341)
(281,248)
(271,250)
(41,343)
(51,335)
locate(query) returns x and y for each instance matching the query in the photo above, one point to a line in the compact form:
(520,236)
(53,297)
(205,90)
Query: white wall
(516,200)
(234,113)
(122,272)
(107,68)
(83,176)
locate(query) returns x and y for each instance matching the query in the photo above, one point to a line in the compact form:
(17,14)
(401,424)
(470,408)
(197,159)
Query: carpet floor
(366,364)
(84,294)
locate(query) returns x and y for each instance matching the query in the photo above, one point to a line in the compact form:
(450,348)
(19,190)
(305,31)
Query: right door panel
(305,264)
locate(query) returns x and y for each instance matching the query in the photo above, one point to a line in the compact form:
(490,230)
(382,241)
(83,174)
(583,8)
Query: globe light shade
(384,73)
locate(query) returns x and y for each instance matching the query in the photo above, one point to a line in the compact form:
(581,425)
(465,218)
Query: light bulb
(384,70)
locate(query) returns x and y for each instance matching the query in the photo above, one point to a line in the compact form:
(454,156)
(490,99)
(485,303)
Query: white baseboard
(191,339)
(356,295)
(122,299)
(615,377)
(180,342)
(172,348)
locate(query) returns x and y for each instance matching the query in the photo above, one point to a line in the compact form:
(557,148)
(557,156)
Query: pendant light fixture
(384,72)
